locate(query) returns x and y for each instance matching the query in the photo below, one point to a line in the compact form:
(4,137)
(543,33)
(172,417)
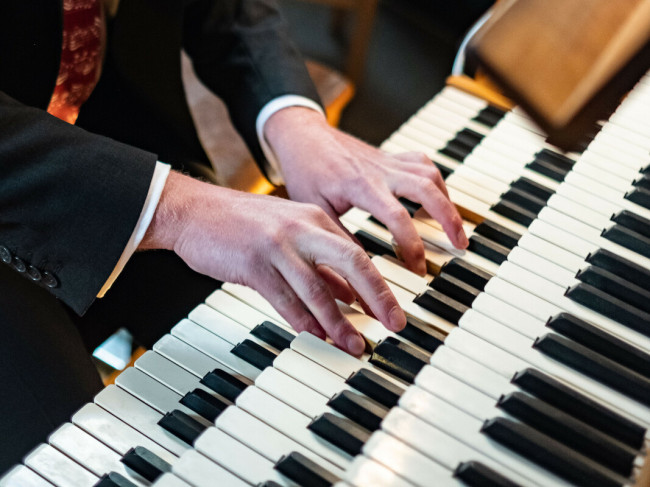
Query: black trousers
(45,369)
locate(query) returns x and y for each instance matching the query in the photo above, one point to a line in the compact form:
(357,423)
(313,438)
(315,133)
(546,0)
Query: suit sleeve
(241,50)
(69,199)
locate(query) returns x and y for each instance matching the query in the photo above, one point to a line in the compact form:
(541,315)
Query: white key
(407,462)
(399,275)
(292,392)
(405,300)
(467,429)
(169,480)
(309,373)
(139,416)
(217,323)
(507,314)
(551,252)
(93,455)
(197,470)
(365,472)
(116,434)
(254,300)
(238,310)
(58,468)
(21,476)
(214,347)
(186,356)
(290,422)
(238,458)
(166,372)
(153,393)
(265,440)
(440,446)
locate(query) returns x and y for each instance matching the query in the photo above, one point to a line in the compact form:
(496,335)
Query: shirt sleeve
(161,171)
(271,162)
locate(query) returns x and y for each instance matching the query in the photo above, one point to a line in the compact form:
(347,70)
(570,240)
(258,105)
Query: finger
(383,205)
(354,265)
(421,165)
(436,204)
(314,292)
(277,291)
(339,287)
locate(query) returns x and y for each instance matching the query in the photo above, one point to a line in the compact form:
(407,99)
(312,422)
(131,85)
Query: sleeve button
(19,264)
(49,280)
(5,255)
(33,273)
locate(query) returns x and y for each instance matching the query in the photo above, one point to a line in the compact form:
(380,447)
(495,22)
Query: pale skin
(296,253)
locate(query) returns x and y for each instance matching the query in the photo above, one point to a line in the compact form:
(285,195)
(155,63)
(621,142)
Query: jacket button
(49,280)
(19,264)
(5,255)
(33,273)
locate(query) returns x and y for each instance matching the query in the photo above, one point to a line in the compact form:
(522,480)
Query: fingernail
(461,238)
(397,319)
(355,344)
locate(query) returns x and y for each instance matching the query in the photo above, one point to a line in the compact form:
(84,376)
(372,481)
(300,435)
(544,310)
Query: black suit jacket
(70,196)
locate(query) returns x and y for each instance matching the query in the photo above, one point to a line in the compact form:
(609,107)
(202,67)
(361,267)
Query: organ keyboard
(525,361)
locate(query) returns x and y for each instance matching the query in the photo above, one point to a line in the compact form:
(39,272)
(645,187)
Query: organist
(81,193)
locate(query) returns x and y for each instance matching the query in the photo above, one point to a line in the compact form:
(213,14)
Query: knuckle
(397,213)
(427,185)
(316,290)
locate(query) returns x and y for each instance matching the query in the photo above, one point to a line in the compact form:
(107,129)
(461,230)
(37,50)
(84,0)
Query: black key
(621,267)
(445,170)
(628,239)
(489,116)
(469,137)
(547,169)
(375,387)
(441,304)
(254,354)
(642,182)
(363,411)
(422,334)
(398,358)
(534,188)
(270,333)
(204,404)
(146,463)
(640,196)
(410,206)
(515,212)
(224,384)
(303,471)
(611,307)
(524,200)
(580,406)
(488,249)
(616,286)
(550,454)
(182,426)
(373,244)
(456,150)
(601,342)
(113,479)
(555,158)
(596,366)
(498,233)
(570,431)
(469,273)
(455,288)
(475,474)
(633,221)
(341,432)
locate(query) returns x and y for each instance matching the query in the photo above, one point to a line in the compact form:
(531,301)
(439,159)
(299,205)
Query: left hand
(336,171)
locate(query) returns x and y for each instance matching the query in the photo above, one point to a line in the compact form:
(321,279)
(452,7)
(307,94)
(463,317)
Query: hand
(291,253)
(335,171)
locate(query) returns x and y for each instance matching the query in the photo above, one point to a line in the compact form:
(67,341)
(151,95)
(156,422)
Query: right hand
(293,254)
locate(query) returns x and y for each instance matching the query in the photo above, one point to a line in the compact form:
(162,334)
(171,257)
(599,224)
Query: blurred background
(411,47)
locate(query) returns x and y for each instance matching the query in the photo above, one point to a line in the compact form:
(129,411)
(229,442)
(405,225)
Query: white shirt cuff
(277,104)
(160,173)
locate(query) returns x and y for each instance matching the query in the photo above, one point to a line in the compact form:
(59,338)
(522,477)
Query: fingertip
(396,319)
(461,239)
(355,344)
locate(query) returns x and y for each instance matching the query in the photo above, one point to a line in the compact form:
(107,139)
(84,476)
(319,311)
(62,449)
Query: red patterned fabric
(81,57)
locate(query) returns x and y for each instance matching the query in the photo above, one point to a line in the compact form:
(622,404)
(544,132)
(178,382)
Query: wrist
(283,126)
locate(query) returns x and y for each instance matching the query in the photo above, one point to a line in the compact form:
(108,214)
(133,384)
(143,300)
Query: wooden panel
(566,61)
